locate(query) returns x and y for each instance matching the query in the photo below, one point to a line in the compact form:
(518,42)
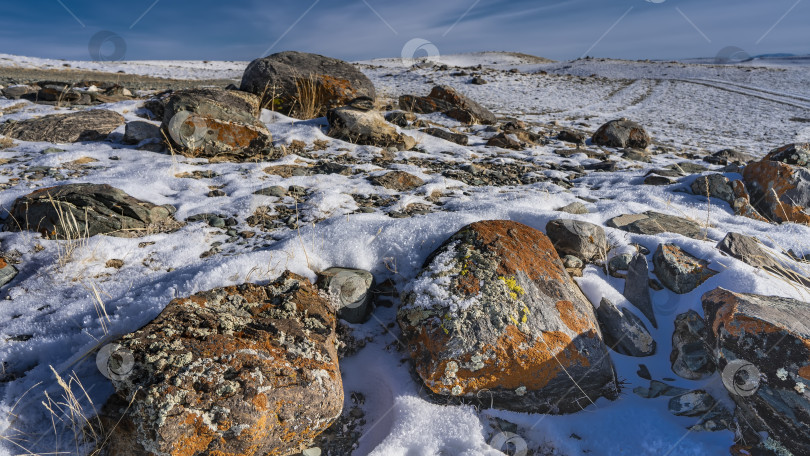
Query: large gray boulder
(241,370)
(216,124)
(80,210)
(280,79)
(89,125)
(493,315)
(622,133)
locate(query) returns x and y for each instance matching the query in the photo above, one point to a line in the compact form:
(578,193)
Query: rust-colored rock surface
(763,353)
(494,316)
(241,370)
(779,184)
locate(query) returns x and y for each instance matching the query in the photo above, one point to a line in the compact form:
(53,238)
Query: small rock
(572,262)
(457,138)
(678,270)
(275,190)
(397,180)
(624,332)
(636,288)
(576,137)
(714,186)
(652,223)
(654,179)
(574,208)
(693,403)
(365,127)
(690,356)
(139,131)
(619,263)
(478,80)
(581,239)
(503,141)
(114,263)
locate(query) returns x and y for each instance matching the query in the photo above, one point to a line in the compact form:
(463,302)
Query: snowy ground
(48,316)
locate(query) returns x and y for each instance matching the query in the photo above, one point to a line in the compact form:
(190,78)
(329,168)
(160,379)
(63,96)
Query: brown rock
(241,370)
(397,180)
(494,316)
(779,184)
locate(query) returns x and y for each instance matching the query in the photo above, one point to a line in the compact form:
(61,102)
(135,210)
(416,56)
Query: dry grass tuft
(307,100)
(5,142)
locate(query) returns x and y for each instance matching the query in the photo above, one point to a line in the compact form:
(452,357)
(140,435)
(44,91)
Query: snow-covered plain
(48,317)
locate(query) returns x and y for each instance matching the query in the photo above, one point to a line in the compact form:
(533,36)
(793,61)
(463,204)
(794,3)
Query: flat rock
(574,208)
(691,358)
(652,223)
(89,125)
(494,313)
(457,138)
(245,369)
(75,211)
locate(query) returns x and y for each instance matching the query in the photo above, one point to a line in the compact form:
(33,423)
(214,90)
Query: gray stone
(622,133)
(281,79)
(678,270)
(276,190)
(581,239)
(16,92)
(651,223)
(89,125)
(366,127)
(619,263)
(637,289)
(624,332)
(574,208)
(654,179)
(694,403)
(690,356)
(576,137)
(139,131)
(727,156)
(79,210)
(572,262)
(714,186)
(349,292)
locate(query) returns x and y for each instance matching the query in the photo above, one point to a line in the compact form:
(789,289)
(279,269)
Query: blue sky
(361,29)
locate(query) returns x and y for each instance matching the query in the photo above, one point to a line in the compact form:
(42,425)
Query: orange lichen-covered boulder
(763,353)
(240,370)
(779,184)
(493,316)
